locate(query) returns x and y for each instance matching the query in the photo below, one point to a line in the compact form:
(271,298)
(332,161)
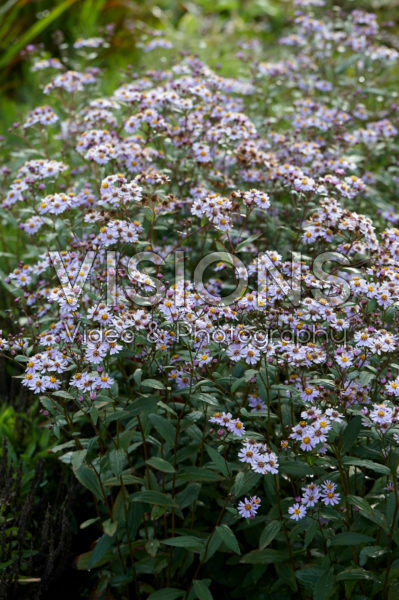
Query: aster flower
(249,507)
(308,440)
(330,498)
(297,511)
(235,426)
(392,387)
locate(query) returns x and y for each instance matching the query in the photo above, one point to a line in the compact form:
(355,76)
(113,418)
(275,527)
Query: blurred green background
(207,27)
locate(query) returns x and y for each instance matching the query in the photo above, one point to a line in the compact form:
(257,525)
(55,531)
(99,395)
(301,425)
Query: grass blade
(34,31)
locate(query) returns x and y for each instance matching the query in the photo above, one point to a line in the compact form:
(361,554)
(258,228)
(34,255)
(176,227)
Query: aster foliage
(246,419)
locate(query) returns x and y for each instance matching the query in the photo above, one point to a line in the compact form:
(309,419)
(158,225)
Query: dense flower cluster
(174,165)
(312,494)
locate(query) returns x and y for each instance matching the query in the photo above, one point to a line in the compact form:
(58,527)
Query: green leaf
(82,561)
(127,479)
(292,467)
(153,497)
(21,358)
(137,375)
(350,434)
(213,546)
(89,480)
(186,541)
(188,495)
(62,394)
(324,586)
(160,464)
(166,594)
(110,527)
(164,428)
(100,551)
(228,537)
(368,464)
(350,538)
(390,313)
(308,576)
(359,502)
(267,556)
(244,482)
(117,459)
(342,65)
(198,474)
(269,533)
(153,383)
(250,374)
(310,533)
(390,510)
(237,384)
(238,483)
(393,593)
(218,460)
(88,523)
(370,552)
(366,377)
(201,590)
(250,239)
(208,398)
(77,458)
(152,547)
(354,575)
(372,514)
